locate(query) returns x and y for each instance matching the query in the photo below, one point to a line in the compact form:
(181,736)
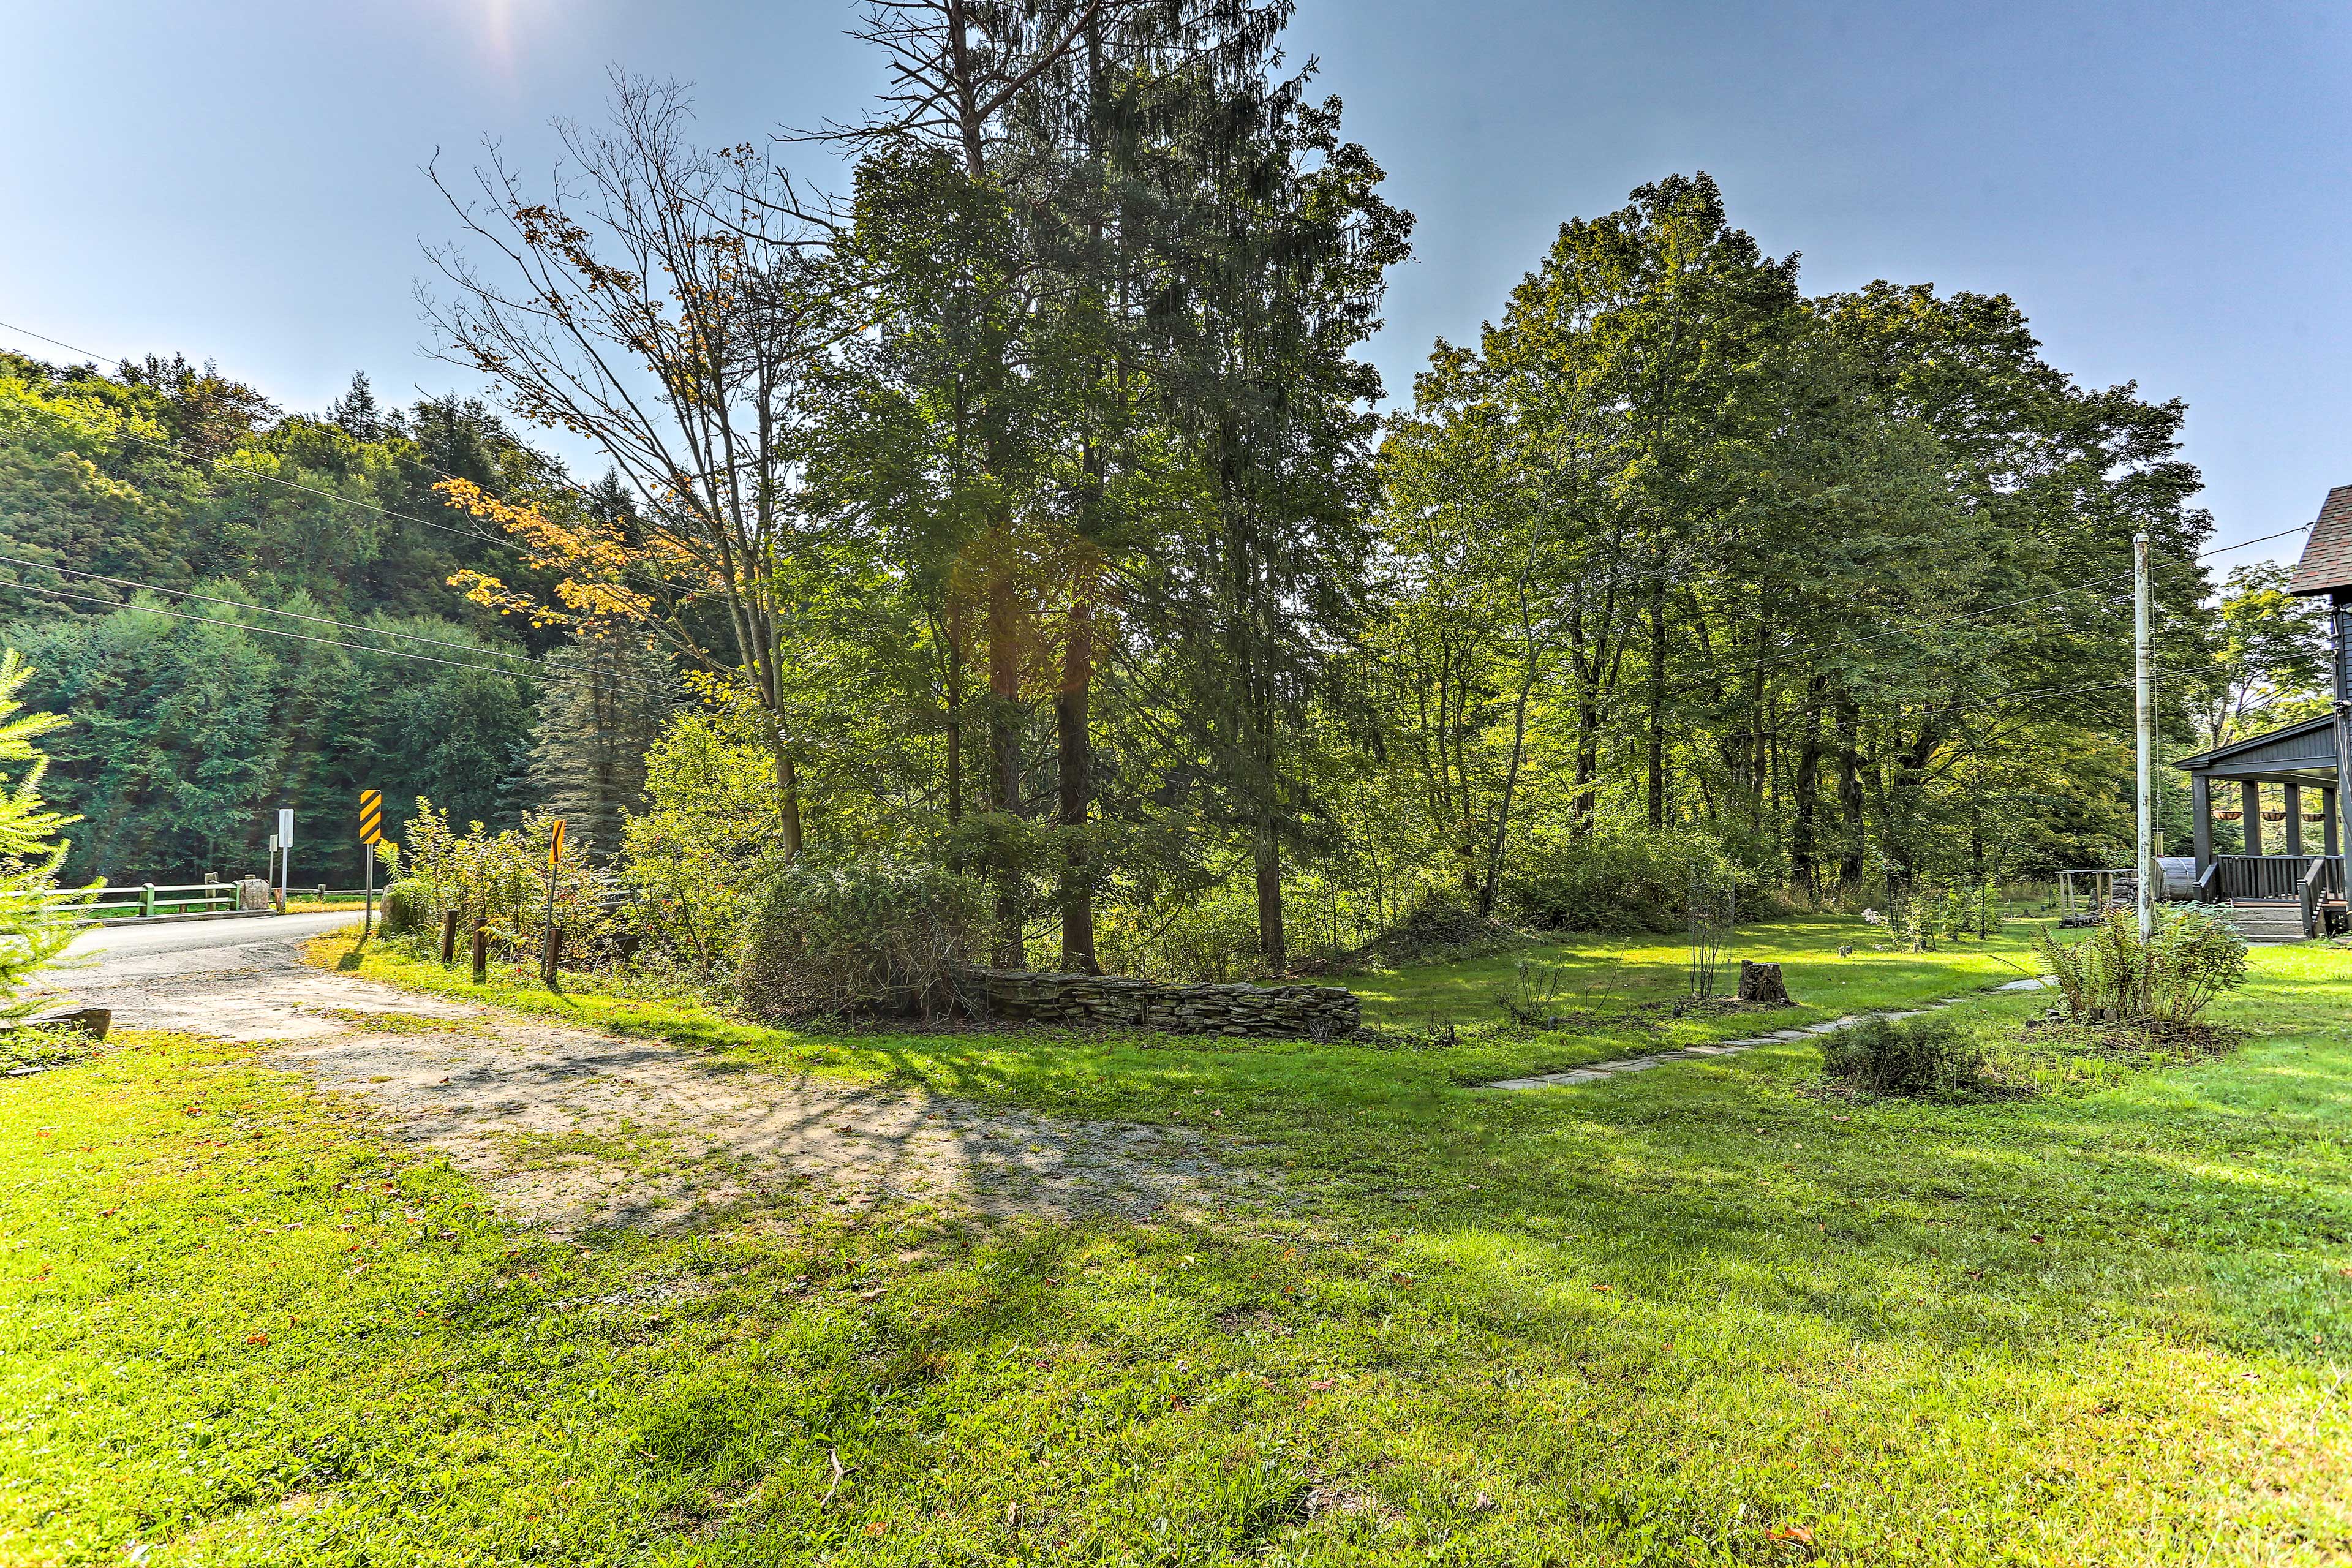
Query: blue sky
(2162,187)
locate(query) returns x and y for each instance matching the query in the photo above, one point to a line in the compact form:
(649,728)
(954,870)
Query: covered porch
(2281,788)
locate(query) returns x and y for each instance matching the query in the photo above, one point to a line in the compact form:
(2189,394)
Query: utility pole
(2144,681)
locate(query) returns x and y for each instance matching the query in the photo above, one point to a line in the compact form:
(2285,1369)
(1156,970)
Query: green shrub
(1617,877)
(1924,1057)
(866,937)
(1444,925)
(500,879)
(2113,976)
(708,842)
(408,907)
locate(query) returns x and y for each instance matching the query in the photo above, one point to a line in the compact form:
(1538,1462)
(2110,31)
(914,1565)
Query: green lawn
(1692,1316)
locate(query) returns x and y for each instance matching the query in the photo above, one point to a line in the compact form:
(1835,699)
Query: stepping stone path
(1594,1072)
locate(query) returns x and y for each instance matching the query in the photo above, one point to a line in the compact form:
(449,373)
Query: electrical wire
(440,474)
(536,672)
(261,609)
(1880,635)
(271,631)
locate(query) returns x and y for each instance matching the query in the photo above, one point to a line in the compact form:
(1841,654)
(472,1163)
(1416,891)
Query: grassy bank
(1693,1316)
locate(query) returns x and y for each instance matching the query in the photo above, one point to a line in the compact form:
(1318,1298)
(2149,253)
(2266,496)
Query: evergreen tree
(359,415)
(32,929)
(1274,279)
(602,707)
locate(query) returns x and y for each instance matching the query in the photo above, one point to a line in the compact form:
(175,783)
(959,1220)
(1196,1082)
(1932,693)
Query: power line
(442,474)
(270,631)
(1636,727)
(60,342)
(609,682)
(1960,618)
(261,609)
(1793,654)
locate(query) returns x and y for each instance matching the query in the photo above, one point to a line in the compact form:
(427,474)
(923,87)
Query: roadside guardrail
(150,900)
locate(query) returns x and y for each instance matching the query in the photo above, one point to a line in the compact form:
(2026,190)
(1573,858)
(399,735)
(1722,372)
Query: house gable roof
(2327,563)
(2295,749)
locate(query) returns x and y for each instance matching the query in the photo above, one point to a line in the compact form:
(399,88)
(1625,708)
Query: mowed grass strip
(1695,1316)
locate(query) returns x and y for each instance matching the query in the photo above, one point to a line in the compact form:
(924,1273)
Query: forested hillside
(286,545)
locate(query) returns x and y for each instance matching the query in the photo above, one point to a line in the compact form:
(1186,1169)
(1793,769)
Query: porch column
(2200,817)
(2293,818)
(2249,795)
(2328,809)
(2339,638)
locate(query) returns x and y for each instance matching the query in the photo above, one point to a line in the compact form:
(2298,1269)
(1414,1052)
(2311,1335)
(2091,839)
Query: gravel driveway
(567,1127)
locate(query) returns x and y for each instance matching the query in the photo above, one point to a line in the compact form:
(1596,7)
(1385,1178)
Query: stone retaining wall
(1314,1011)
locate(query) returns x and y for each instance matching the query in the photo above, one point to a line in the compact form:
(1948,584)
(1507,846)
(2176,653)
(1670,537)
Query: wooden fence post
(481,952)
(448,936)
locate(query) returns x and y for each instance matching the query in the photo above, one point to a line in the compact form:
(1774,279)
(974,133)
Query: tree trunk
(1075,752)
(1657,725)
(1510,789)
(955,736)
(1804,841)
(788,785)
(1850,803)
(1004,745)
(1270,939)
(1758,723)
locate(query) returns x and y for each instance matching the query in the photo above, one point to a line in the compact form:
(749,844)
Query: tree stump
(1762,982)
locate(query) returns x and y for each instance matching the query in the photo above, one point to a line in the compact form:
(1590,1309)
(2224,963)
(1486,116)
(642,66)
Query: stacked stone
(1317,1011)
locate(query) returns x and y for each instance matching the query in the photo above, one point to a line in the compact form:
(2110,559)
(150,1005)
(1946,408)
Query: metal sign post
(554,855)
(371,832)
(285,855)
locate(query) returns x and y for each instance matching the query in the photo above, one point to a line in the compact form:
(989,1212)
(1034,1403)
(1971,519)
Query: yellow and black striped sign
(370,816)
(555,843)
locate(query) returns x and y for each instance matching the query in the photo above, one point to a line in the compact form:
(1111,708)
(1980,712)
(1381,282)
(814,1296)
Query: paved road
(116,944)
(232,978)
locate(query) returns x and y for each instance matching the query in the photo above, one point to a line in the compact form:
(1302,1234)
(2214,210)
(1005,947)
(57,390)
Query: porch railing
(2274,876)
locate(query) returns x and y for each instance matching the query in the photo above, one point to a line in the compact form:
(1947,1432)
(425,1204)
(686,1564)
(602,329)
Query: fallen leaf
(1402,1278)
(257,1339)
(1604,1286)
(108,1214)
(1796,1533)
(1323,1385)
(2035,1236)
